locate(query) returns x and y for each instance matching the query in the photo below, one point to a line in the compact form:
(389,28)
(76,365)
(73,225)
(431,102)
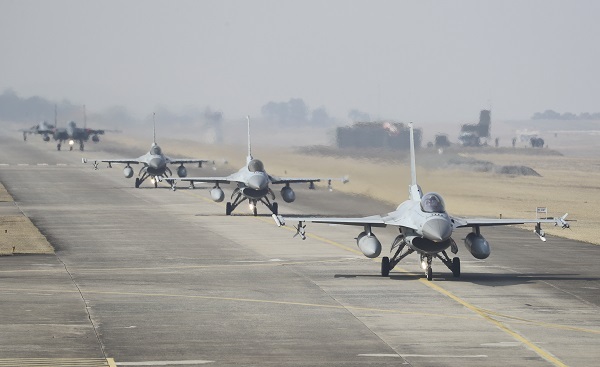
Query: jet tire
(255,210)
(385,266)
(275,208)
(456,267)
(137,183)
(228,209)
(429,273)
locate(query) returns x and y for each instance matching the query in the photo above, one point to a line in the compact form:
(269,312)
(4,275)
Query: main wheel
(137,183)
(275,208)
(255,210)
(228,209)
(429,273)
(385,266)
(155,183)
(70,147)
(81,147)
(58,146)
(456,267)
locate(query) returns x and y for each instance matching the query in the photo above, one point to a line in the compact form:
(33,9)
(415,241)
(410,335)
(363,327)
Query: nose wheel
(426,265)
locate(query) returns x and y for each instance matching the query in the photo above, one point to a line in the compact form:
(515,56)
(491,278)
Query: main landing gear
(388,264)
(230,207)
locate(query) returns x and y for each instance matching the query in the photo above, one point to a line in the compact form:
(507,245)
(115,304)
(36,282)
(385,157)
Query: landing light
(152,180)
(251,206)
(71,142)
(424,264)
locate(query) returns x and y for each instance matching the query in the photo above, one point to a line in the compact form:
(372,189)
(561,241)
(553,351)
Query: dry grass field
(567,184)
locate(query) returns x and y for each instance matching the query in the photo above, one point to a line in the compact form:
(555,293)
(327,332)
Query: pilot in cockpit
(155,150)
(256,165)
(432,203)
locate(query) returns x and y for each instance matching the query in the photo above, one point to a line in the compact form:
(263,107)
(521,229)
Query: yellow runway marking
(487,315)
(481,312)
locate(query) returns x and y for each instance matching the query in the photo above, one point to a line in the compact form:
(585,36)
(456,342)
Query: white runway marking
(22,164)
(424,355)
(163,363)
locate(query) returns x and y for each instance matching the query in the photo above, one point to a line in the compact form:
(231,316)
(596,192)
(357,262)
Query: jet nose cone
(258,182)
(156,163)
(437,229)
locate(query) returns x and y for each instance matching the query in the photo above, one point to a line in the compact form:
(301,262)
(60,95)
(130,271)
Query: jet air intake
(288,194)
(368,244)
(477,245)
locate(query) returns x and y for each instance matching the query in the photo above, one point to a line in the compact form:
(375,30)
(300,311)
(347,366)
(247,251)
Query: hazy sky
(409,60)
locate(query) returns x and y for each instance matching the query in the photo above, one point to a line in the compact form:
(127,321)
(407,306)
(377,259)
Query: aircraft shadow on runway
(487,279)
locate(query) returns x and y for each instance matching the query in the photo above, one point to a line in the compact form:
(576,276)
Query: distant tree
(358,116)
(320,116)
(295,111)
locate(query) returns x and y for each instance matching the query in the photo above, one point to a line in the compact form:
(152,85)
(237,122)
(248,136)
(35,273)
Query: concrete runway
(151,277)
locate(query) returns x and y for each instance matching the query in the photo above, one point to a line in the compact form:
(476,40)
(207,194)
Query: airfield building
(377,135)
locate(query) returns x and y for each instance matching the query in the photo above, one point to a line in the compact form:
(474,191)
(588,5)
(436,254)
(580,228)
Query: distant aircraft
(72,134)
(44,129)
(155,165)
(425,228)
(252,185)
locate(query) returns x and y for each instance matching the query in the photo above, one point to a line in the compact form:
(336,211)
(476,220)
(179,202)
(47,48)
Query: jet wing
(373,220)
(110,161)
(486,222)
(182,161)
(287,180)
(225,180)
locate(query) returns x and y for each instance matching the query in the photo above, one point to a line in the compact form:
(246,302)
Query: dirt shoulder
(17,234)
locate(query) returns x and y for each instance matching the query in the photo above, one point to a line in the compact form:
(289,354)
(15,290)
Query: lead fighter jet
(155,165)
(425,228)
(252,185)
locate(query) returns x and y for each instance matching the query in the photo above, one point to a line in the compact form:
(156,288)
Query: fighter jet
(44,129)
(155,165)
(252,185)
(425,228)
(73,134)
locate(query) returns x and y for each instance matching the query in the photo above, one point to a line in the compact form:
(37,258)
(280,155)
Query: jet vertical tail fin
(414,191)
(154,128)
(249,157)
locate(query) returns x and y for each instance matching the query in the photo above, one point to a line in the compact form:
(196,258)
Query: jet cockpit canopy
(433,203)
(256,165)
(155,150)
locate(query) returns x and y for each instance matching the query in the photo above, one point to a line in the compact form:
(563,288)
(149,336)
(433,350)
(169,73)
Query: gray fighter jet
(44,129)
(425,228)
(155,165)
(252,184)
